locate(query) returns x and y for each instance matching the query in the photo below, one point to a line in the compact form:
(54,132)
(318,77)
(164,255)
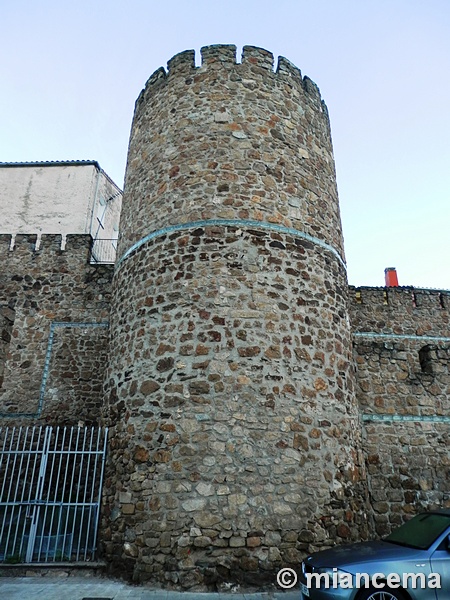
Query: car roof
(438,511)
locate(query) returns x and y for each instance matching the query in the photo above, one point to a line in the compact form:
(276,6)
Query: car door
(440,563)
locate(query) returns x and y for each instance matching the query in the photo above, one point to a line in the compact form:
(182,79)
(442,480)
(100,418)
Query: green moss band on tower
(228,223)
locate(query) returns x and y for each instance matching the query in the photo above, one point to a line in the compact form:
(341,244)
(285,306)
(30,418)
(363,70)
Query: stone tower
(230,387)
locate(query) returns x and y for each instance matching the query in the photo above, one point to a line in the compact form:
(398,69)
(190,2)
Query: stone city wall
(402,353)
(54,310)
(244,432)
(400,311)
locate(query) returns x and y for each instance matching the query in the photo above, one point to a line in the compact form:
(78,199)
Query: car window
(421,531)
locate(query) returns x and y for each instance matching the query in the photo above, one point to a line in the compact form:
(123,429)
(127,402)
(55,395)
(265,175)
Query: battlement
(52,246)
(401,310)
(408,297)
(217,56)
(19,243)
(219,121)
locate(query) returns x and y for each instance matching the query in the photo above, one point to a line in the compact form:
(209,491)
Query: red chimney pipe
(390,277)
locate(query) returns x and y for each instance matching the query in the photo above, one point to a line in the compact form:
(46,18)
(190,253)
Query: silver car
(412,563)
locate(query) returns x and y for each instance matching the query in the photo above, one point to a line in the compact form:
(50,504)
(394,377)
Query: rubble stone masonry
(54,310)
(402,355)
(230,380)
(259,408)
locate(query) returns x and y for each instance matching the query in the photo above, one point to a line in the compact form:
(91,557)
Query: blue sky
(71,71)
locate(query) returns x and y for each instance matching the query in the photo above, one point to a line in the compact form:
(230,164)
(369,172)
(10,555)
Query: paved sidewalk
(79,588)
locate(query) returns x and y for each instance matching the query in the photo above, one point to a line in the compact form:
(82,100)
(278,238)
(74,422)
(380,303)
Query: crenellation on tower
(312,89)
(227,118)
(258,57)
(218,54)
(182,63)
(287,69)
(158,76)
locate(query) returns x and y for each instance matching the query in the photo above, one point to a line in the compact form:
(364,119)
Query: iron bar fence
(50,490)
(103,251)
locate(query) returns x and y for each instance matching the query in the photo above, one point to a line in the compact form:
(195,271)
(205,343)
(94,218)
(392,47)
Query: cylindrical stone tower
(230,387)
